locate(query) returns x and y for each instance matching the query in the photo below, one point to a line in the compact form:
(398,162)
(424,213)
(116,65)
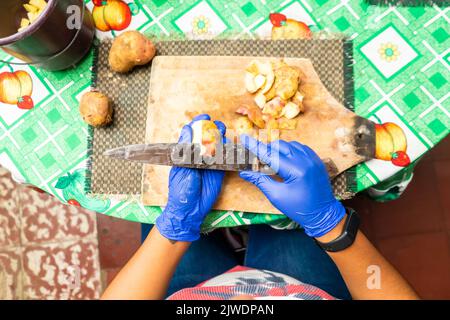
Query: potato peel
(254,115)
(260,100)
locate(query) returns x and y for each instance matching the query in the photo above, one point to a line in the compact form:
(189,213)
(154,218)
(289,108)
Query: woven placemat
(128,93)
(332,59)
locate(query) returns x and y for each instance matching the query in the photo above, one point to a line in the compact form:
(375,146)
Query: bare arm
(149,271)
(356,264)
(305,195)
(192,194)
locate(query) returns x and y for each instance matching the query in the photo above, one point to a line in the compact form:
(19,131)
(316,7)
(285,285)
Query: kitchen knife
(228,157)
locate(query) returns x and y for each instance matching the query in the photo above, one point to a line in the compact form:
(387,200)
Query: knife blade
(228,157)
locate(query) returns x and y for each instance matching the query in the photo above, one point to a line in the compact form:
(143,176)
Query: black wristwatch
(347,236)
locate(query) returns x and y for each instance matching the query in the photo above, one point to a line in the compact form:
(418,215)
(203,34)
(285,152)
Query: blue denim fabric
(295,254)
(290,252)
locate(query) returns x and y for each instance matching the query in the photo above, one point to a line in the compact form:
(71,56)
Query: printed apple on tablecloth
(284,28)
(16,88)
(391,144)
(111,15)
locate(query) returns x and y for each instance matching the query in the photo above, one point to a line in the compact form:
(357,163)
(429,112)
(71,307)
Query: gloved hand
(192,193)
(305,195)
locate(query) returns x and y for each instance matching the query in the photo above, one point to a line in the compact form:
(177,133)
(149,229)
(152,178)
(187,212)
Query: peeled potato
(96,109)
(30,8)
(250,84)
(298,100)
(40,4)
(24,23)
(274,107)
(269,95)
(291,110)
(264,69)
(243,125)
(130,49)
(207,135)
(260,80)
(33,9)
(275,86)
(32,16)
(260,100)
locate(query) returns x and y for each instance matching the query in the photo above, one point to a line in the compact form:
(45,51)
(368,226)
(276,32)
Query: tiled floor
(47,250)
(118,240)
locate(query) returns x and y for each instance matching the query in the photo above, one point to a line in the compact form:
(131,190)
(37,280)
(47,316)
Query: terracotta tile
(108,275)
(66,270)
(442,150)
(442,170)
(424,260)
(416,211)
(10,275)
(46,219)
(426,157)
(361,204)
(9,211)
(118,240)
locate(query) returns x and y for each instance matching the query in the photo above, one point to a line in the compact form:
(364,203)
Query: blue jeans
(290,252)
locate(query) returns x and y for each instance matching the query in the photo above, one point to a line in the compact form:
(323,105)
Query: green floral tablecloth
(402,58)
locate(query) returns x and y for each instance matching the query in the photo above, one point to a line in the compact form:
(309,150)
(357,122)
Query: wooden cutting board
(182,87)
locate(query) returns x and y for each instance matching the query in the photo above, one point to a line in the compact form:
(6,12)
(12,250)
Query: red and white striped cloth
(260,284)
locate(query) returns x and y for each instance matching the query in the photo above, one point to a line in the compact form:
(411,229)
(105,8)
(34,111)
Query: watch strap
(347,236)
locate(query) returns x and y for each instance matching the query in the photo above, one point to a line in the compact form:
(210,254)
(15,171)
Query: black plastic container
(50,41)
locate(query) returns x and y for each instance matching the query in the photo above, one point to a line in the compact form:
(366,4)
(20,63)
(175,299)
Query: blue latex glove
(305,195)
(192,193)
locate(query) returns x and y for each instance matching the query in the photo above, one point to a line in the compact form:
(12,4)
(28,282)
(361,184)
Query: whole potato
(130,49)
(96,109)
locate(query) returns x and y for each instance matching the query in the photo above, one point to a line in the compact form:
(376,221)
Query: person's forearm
(361,264)
(149,271)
